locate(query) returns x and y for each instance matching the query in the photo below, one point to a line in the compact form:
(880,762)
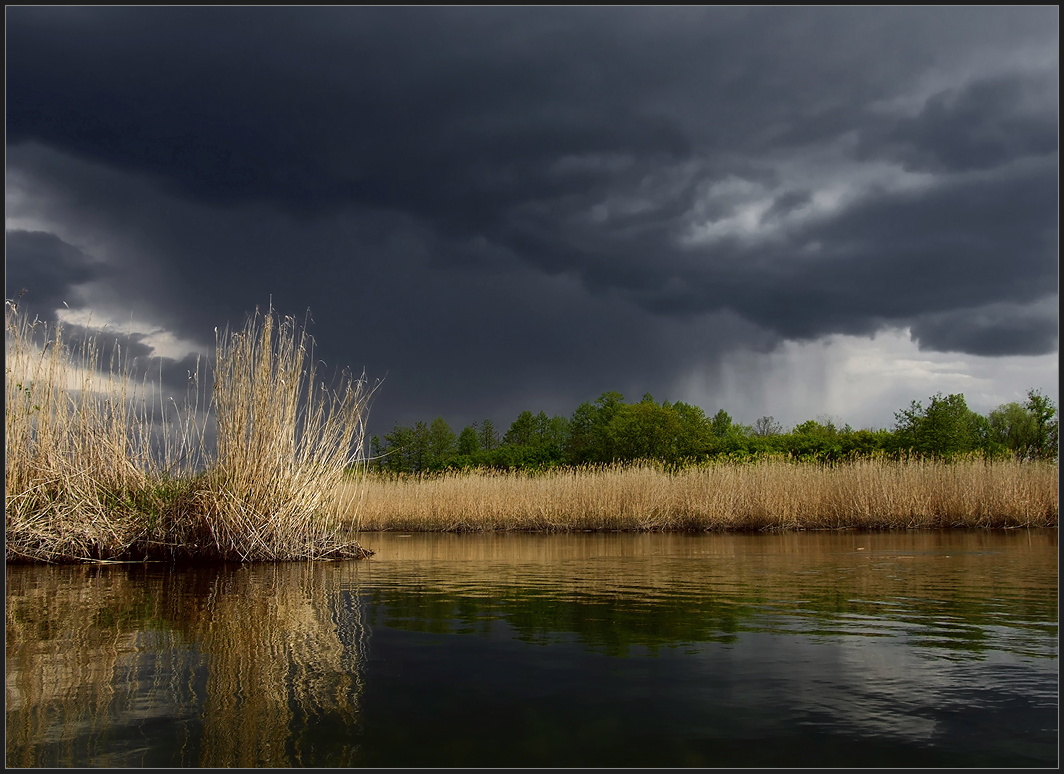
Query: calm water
(807,649)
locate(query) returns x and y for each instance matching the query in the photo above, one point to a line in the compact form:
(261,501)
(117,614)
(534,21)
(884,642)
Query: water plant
(100,465)
(283,437)
(768,494)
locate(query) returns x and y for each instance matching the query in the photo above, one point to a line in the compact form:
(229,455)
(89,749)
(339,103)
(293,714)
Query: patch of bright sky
(26,211)
(32,363)
(862,381)
(21,208)
(832,180)
(163,343)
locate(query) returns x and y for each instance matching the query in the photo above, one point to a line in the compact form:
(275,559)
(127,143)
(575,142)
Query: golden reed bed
(100,466)
(765,495)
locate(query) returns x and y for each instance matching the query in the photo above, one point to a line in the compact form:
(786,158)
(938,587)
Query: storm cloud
(504,208)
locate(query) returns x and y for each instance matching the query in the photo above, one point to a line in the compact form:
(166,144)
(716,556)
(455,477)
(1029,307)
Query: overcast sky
(796,212)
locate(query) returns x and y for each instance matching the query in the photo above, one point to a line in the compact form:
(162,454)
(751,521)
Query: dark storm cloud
(896,257)
(506,197)
(47,269)
(984,124)
(314,107)
(998,329)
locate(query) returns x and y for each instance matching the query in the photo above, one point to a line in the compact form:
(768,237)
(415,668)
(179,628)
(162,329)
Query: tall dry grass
(283,439)
(79,467)
(98,464)
(765,495)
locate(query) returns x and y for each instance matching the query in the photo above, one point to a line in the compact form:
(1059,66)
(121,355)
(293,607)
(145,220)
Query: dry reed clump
(77,463)
(97,463)
(763,495)
(283,439)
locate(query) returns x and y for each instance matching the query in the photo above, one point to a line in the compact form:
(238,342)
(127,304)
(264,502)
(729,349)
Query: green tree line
(610,430)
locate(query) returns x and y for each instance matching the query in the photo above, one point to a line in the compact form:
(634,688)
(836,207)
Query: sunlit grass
(78,463)
(283,438)
(98,466)
(763,495)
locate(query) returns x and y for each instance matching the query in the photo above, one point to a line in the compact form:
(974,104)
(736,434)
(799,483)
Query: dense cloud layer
(505,208)
(44,262)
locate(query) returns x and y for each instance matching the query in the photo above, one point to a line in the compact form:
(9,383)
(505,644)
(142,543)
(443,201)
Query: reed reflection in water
(793,649)
(214,666)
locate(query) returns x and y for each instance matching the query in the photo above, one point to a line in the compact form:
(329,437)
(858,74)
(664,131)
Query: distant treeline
(610,430)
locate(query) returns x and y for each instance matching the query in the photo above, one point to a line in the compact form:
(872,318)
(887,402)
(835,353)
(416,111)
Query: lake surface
(514,650)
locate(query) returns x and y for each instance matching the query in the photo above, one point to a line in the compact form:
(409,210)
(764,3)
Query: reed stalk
(100,467)
(769,495)
(283,440)
(77,469)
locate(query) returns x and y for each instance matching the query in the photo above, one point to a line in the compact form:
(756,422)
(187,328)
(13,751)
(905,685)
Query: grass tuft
(99,466)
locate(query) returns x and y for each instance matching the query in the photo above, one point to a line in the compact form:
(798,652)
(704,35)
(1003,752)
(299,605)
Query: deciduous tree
(468,440)
(439,443)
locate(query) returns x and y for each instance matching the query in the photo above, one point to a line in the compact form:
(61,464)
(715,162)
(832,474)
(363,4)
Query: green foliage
(946,428)
(468,441)
(643,430)
(610,430)
(865,443)
(817,429)
(816,441)
(523,430)
(396,453)
(489,438)
(1046,438)
(721,424)
(376,453)
(548,434)
(695,432)
(589,439)
(440,443)
(1025,431)
(1011,429)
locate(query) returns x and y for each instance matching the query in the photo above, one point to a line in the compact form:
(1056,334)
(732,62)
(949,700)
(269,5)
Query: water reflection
(961,591)
(213,666)
(594,649)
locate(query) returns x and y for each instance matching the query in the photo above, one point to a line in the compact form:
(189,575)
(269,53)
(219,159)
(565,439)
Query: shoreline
(99,468)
